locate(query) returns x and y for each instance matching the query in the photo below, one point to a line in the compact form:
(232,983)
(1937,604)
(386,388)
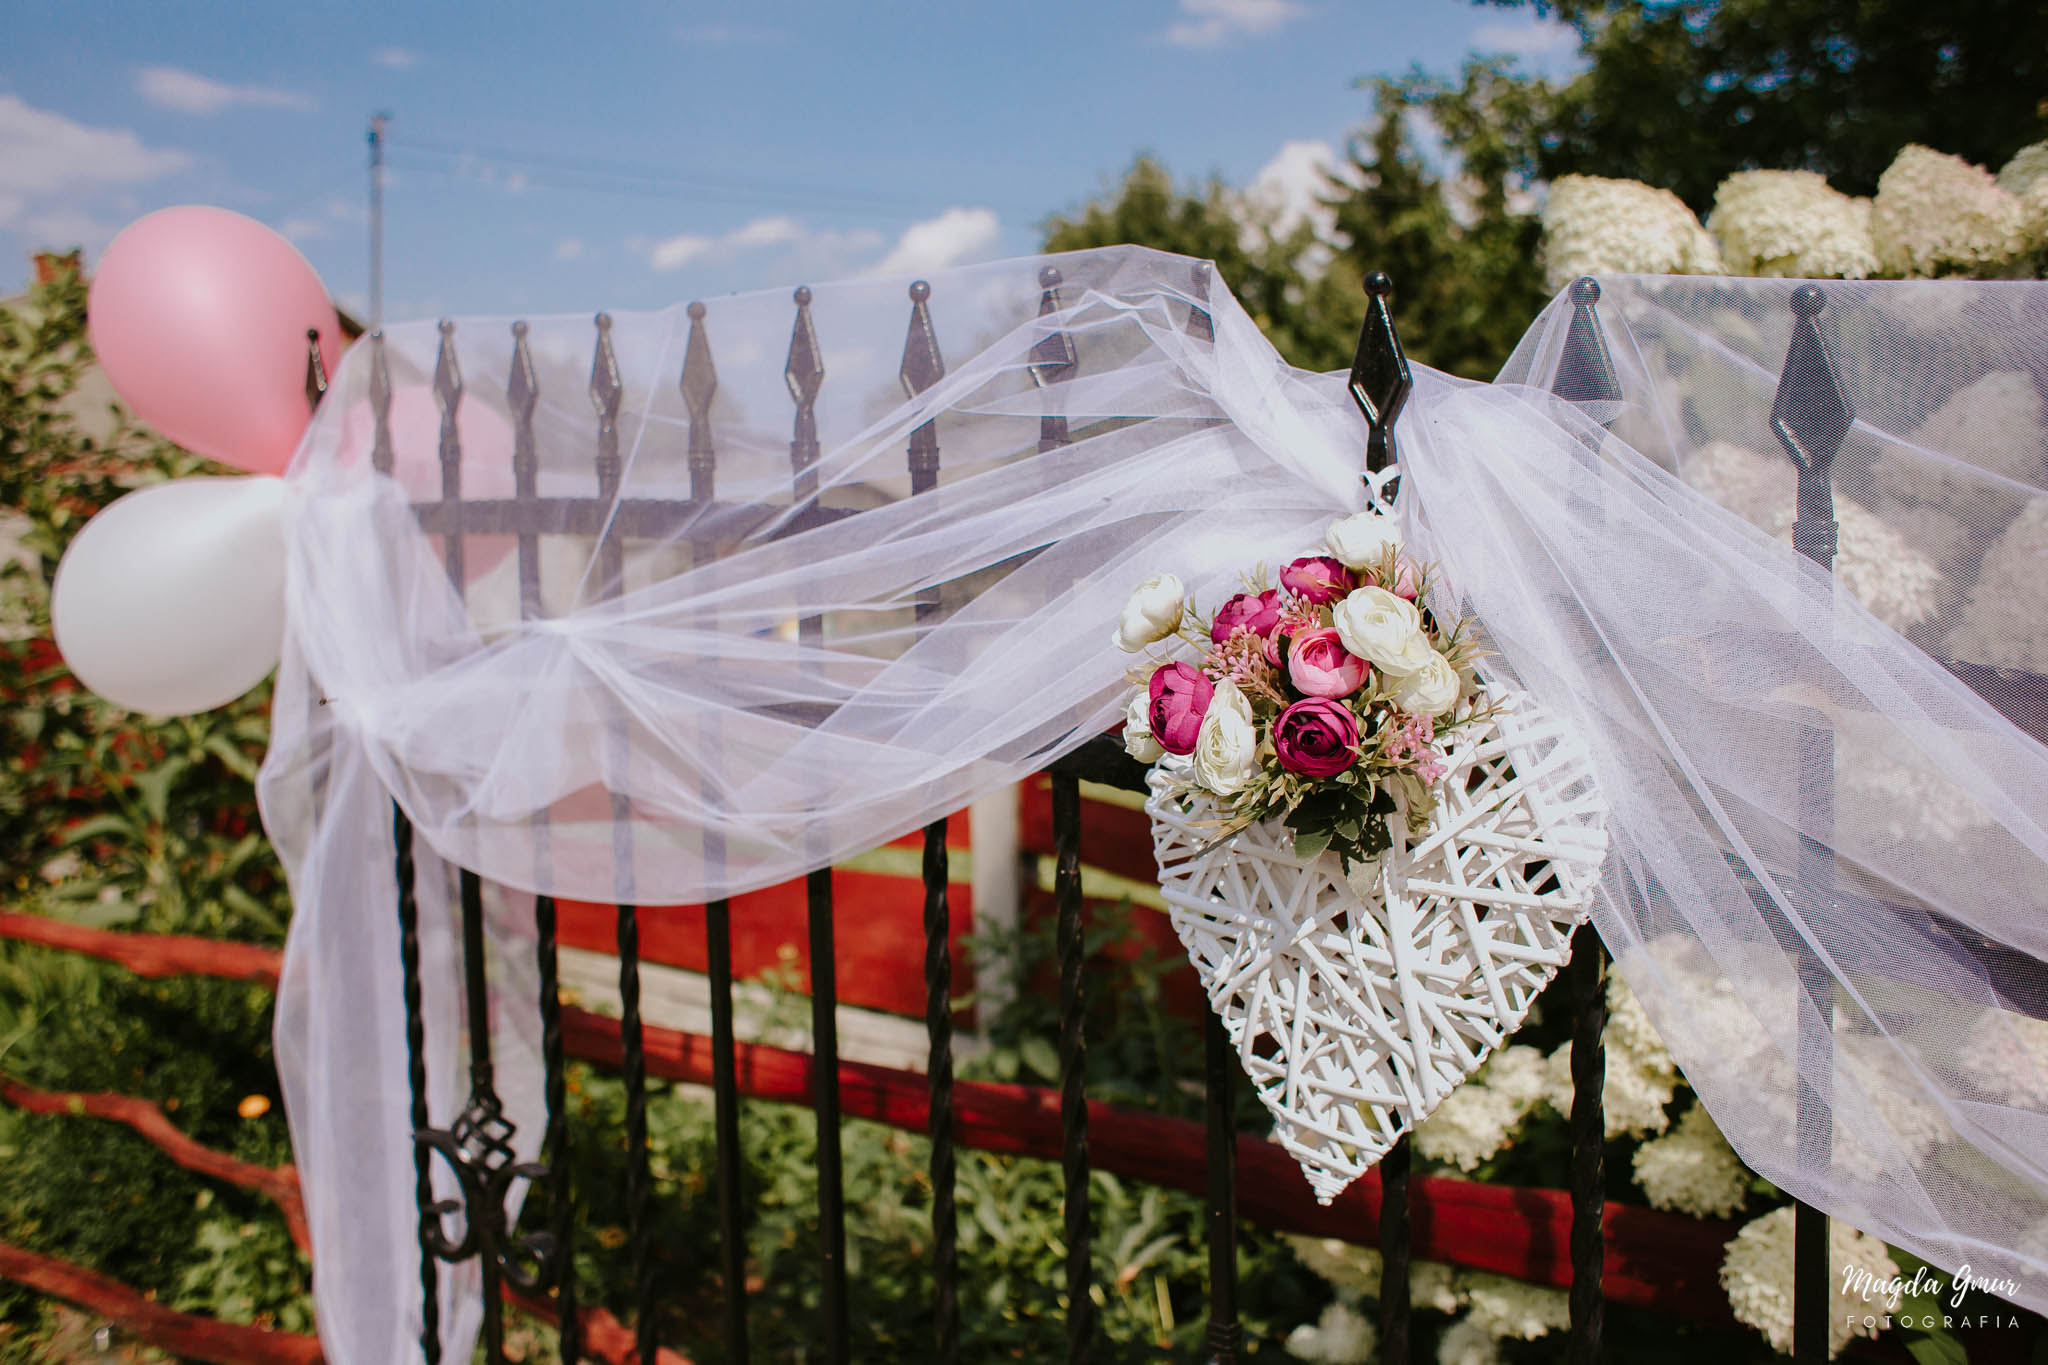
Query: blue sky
(553,158)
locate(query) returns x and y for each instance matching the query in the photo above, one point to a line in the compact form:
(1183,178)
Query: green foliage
(1679,93)
(1312,319)
(111,819)
(1150,1250)
(1459,245)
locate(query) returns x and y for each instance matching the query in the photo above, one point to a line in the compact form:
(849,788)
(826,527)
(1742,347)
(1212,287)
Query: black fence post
(804,372)
(1586,374)
(1811,417)
(699,385)
(923,366)
(607,394)
(1380,383)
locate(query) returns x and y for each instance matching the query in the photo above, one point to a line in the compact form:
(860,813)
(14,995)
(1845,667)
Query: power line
(598,175)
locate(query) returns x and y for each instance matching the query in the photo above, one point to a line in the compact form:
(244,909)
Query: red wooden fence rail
(1668,1262)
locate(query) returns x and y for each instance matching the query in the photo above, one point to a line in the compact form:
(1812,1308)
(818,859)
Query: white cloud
(1533,39)
(935,243)
(188,92)
(673,253)
(396,58)
(1211,23)
(766,232)
(568,249)
(44,153)
(1290,188)
(302,229)
(779,230)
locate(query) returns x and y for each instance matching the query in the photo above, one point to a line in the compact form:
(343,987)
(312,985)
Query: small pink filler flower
(1179,699)
(1319,666)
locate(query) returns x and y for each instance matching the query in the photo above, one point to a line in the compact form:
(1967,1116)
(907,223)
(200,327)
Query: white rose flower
(1152,613)
(1430,690)
(1362,541)
(1385,629)
(1138,741)
(1226,750)
(1229,696)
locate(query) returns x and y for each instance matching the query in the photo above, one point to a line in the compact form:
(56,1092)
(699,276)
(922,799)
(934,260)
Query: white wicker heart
(1354,1016)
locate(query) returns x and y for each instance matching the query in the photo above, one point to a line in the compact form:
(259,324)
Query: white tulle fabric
(1692,647)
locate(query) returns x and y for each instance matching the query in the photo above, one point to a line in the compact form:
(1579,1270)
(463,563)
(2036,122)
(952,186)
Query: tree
(1310,316)
(1461,255)
(1679,93)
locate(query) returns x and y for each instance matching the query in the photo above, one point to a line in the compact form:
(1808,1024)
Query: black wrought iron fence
(1810,418)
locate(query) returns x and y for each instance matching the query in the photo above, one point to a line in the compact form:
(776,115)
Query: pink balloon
(199,317)
(486,439)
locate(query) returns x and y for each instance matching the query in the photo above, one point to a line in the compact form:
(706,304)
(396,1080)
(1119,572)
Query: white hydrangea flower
(1342,1336)
(2006,1055)
(1692,1169)
(1502,1307)
(1641,1076)
(1473,1122)
(1477,1119)
(1756,1274)
(1996,424)
(1938,214)
(1520,1072)
(1888,790)
(1466,1342)
(1896,582)
(1792,223)
(2028,167)
(1592,225)
(2004,619)
(1354,1272)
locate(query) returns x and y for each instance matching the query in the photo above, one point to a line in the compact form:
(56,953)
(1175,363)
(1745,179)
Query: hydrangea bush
(1933,215)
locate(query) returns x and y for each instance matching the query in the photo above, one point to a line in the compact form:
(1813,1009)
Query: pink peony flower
(1179,699)
(1295,619)
(1255,612)
(1318,579)
(1316,738)
(1320,666)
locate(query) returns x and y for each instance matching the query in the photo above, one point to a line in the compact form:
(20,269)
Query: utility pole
(377,122)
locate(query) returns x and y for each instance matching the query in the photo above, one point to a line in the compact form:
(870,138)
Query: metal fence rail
(475,1145)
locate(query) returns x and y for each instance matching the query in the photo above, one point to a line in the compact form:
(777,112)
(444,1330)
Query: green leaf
(233,759)
(1934,1346)
(97,826)
(1040,1056)
(1310,843)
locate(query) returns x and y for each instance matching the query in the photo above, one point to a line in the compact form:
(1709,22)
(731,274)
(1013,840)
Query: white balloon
(171,600)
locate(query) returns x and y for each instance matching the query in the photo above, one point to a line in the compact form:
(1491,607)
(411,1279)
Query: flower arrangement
(1320,702)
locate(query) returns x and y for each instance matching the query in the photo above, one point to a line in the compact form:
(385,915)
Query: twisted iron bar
(416,1079)
(558,1256)
(1066,824)
(1588,970)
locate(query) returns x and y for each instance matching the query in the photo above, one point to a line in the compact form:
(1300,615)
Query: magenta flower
(1320,666)
(1317,579)
(1316,738)
(1179,699)
(1255,612)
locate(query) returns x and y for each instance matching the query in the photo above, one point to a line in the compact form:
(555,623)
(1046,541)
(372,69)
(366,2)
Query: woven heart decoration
(1356,1004)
